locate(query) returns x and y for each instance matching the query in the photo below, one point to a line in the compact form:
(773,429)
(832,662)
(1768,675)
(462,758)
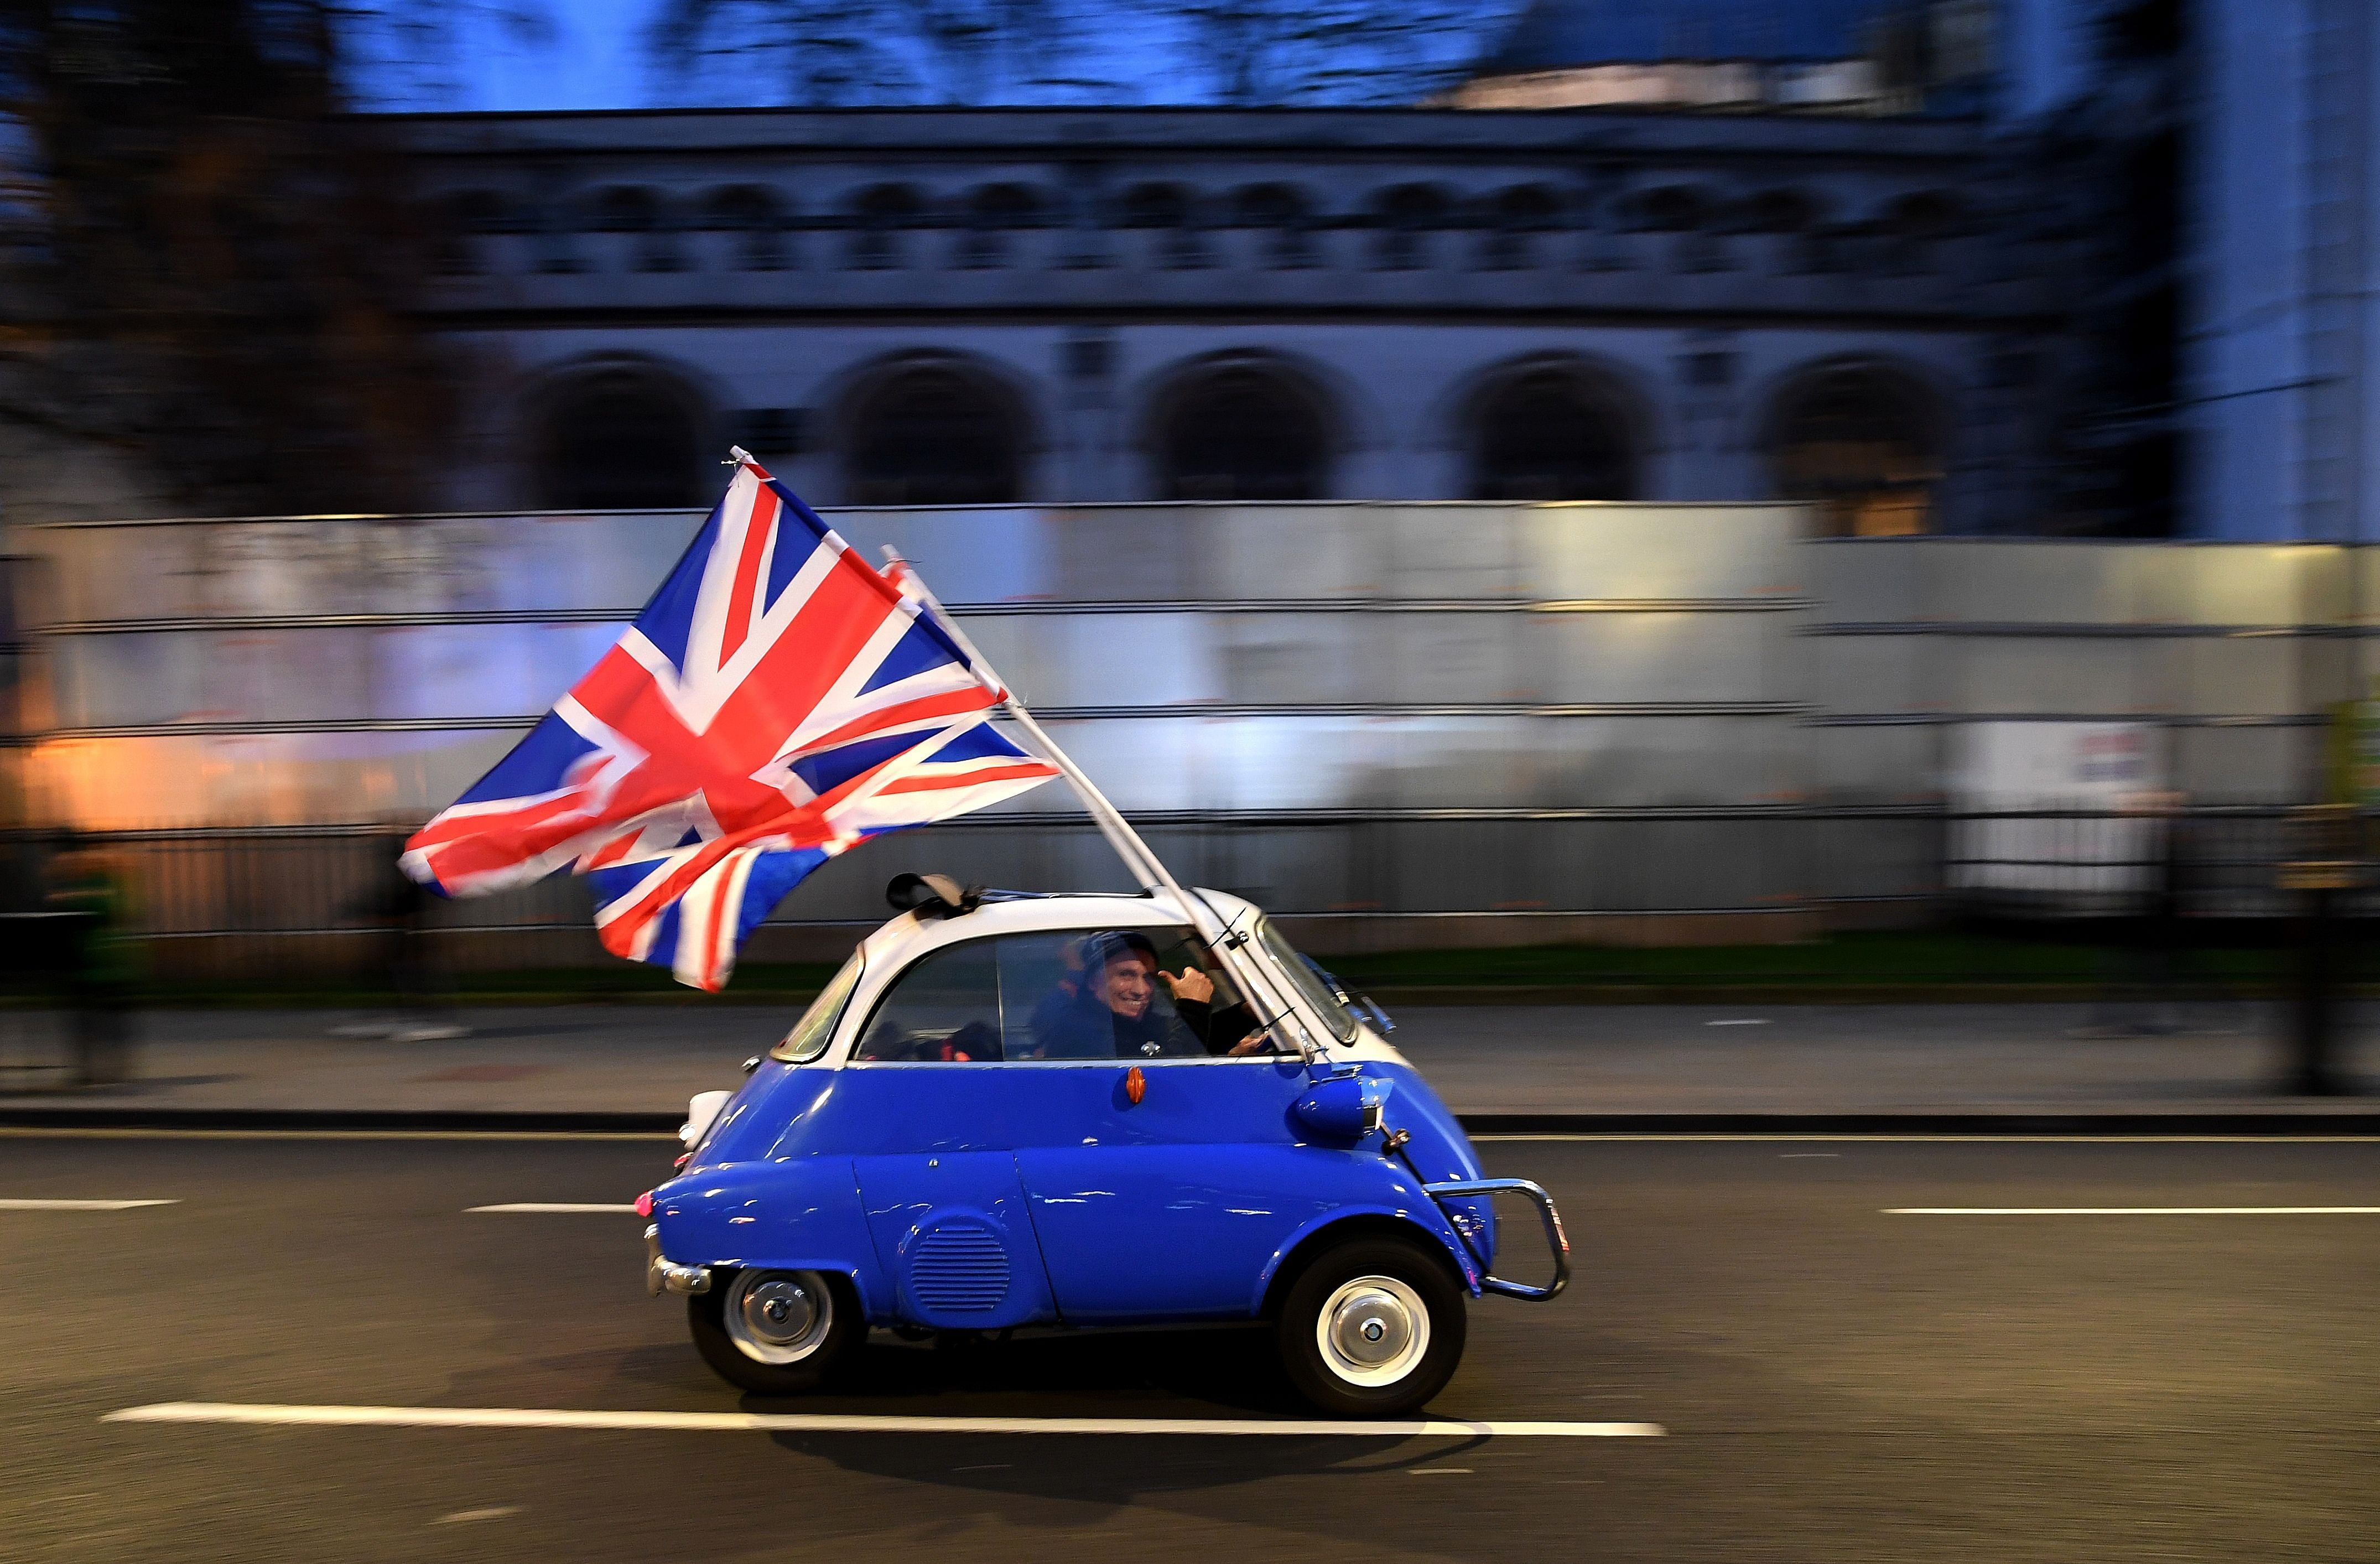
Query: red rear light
(644,1204)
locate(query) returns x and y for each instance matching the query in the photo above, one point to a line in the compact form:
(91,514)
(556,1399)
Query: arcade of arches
(1861,441)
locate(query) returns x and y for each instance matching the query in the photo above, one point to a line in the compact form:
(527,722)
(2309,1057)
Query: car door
(1170,1205)
(944,1206)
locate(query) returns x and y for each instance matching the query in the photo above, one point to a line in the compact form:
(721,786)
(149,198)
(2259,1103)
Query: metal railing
(265,900)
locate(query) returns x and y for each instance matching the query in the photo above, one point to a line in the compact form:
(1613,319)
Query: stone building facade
(983,307)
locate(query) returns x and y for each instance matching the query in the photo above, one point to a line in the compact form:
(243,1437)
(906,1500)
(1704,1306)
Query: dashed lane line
(2133,1210)
(1916,1137)
(81,1204)
(547,1209)
(839,1423)
(83,1131)
(25,1131)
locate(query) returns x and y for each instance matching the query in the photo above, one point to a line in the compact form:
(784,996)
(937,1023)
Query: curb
(2281,1119)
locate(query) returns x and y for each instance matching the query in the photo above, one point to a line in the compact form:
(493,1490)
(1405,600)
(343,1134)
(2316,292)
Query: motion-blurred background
(1840,492)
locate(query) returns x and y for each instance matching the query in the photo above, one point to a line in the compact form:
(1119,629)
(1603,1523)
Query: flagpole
(1135,853)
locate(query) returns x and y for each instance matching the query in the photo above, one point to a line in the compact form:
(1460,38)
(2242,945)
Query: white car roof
(913,933)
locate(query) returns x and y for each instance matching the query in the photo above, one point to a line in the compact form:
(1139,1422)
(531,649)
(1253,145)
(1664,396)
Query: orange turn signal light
(1135,1086)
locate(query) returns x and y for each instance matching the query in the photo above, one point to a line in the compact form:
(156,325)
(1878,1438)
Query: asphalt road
(1836,1382)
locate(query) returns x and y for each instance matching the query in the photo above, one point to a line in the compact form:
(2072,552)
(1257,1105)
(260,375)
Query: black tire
(737,1355)
(1405,1283)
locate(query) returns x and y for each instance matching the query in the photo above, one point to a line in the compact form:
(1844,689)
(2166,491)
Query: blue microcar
(1010,1111)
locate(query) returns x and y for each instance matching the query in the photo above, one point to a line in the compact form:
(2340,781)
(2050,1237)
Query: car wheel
(776,1333)
(1372,1328)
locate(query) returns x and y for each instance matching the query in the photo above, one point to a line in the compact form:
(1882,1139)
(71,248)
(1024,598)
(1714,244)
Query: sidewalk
(1502,1067)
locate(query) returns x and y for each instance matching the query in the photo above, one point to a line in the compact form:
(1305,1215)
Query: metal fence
(1402,726)
(2054,865)
(295,900)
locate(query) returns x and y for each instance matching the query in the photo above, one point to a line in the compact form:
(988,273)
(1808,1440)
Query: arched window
(1169,215)
(620,439)
(1670,209)
(1779,212)
(1688,213)
(1406,216)
(1281,212)
(471,217)
(633,209)
(880,217)
(932,435)
(1553,433)
(555,226)
(757,218)
(993,213)
(1242,432)
(1914,229)
(1515,218)
(1863,444)
(1789,219)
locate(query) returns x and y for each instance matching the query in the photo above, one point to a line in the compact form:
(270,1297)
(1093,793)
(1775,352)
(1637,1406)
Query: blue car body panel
(772,1216)
(994,1195)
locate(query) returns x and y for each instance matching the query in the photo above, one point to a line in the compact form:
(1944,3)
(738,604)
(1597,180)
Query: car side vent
(958,1268)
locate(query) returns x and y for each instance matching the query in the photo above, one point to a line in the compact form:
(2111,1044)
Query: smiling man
(1115,1012)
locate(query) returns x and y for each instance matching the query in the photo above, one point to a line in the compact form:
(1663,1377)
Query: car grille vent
(958,1268)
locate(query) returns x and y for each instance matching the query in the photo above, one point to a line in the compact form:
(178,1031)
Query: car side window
(945,1010)
(1134,993)
(1077,994)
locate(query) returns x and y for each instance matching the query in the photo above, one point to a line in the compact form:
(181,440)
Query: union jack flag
(777,702)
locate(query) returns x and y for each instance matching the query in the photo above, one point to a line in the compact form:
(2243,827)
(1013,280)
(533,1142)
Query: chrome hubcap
(779,1316)
(1373,1330)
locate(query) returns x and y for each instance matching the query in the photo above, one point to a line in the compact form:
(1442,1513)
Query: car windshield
(811,1034)
(1321,996)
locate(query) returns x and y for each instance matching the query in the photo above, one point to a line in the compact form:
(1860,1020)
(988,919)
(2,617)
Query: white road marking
(838,1423)
(494,1513)
(79,1205)
(1740,1021)
(1922,1138)
(60,1132)
(23,1132)
(535,1208)
(1441,1471)
(2133,1210)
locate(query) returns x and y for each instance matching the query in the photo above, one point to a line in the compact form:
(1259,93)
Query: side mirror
(1341,1108)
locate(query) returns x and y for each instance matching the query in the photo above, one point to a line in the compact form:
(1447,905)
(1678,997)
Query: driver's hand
(1191,984)
(1254,1042)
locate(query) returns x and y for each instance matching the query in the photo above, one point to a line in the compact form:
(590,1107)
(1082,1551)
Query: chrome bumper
(1554,1238)
(661,1276)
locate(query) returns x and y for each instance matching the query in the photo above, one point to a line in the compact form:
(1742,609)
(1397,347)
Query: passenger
(1114,1014)
(1050,1012)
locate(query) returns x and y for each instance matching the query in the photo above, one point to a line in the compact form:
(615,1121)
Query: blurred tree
(210,263)
(1354,52)
(830,53)
(977,52)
